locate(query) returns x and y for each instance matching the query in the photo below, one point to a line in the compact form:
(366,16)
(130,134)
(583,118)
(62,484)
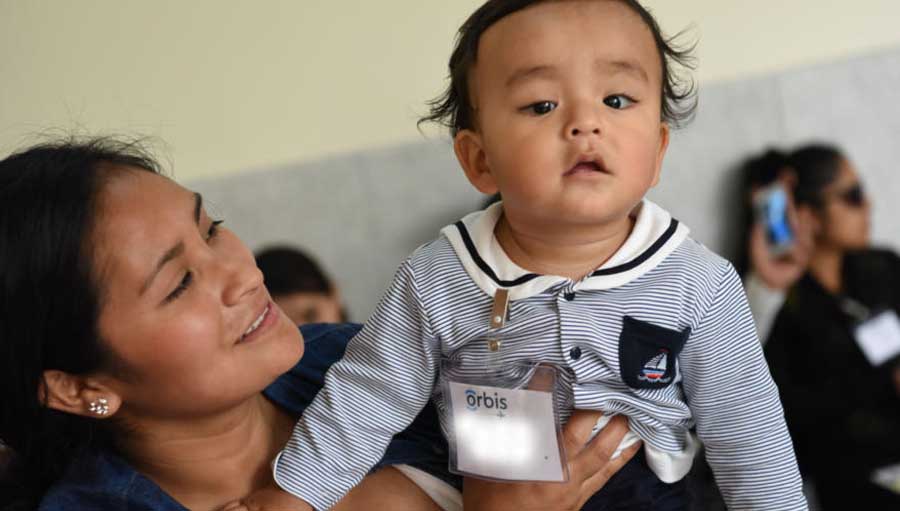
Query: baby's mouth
(587,166)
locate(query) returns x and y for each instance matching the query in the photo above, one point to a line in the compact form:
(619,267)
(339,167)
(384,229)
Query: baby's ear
(661,152)
(470,153)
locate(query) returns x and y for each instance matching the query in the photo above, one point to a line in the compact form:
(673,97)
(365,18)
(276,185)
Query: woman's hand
(590,467)
(780,273)
(386,489)
(268,499)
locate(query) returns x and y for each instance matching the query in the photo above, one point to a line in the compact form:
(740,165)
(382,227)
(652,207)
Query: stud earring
(99,407)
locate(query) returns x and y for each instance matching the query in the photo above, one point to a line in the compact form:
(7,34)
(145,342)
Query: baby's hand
(268,499)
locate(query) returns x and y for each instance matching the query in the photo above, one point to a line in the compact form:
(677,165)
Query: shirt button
(575,353)
(569,296)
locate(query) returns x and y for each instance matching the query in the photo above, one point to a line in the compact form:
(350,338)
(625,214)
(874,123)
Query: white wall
(235,86)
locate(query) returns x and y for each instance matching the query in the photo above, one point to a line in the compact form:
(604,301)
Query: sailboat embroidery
(655,368)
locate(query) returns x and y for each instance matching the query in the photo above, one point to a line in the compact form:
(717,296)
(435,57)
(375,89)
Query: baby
(564,108)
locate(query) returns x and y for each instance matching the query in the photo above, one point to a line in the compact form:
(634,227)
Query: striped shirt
(660,284)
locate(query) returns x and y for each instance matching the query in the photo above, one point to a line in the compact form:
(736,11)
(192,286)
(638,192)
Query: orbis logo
(474,401)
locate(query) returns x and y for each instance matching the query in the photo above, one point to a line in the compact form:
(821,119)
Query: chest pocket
(648,354)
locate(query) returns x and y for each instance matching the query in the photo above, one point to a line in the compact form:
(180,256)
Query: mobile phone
(772,213)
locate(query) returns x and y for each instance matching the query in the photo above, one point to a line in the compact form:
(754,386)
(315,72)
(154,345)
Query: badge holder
(877,333)
(501,419)
(888,478)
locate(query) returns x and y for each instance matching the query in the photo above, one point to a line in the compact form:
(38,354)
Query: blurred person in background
(828,304)
(768,271)
(300,287)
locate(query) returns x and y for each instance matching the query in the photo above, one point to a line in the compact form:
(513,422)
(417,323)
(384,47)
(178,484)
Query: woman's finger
(596,455)
(598,479)
(577,431)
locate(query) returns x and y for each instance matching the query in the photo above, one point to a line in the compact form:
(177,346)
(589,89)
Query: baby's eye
(618,101)
(541,107)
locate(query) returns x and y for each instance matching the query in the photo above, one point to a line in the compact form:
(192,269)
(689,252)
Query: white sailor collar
(655,235)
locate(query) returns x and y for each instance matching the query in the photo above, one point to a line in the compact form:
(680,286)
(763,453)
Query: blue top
(104,480)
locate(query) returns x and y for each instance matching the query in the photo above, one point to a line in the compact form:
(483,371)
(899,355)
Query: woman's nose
(243,278)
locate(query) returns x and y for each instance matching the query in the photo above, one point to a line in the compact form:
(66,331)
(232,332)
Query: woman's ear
(78,395)
(470,152)
(809,221)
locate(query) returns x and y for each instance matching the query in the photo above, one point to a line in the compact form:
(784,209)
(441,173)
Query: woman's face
(183,306)
(844,216)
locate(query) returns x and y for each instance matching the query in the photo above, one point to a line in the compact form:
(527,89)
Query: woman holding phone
(834,345)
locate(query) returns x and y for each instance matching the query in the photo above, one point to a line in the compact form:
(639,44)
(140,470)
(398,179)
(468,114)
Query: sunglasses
(854,196)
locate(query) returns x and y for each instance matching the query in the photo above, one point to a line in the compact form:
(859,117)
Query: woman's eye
(618,101)
(213,229)
(188,278)
(181,288)
(541,107)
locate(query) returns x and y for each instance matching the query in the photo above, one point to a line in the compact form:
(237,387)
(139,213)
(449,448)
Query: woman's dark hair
(815,166)
(50,302)
(453,108)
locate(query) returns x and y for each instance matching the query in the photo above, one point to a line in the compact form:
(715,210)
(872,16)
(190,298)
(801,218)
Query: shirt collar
(654,236)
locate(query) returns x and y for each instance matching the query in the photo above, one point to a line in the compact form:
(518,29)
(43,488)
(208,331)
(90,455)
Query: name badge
(502,433)
(500,418)
(888,478)
(879,337)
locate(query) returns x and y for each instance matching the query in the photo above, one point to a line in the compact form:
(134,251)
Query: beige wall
(236,86)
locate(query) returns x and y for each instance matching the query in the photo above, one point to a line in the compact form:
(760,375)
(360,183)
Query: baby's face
(567,106)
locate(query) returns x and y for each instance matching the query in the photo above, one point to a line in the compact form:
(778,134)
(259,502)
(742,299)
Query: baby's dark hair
(453,108)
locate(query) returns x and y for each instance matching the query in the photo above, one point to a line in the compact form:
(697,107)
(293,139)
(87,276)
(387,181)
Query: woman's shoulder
(102,480)
(881,258)
(870,276)
(873,277)
(324,344)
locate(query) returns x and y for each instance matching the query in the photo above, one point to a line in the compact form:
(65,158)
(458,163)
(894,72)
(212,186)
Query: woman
(835,284)
(145,364)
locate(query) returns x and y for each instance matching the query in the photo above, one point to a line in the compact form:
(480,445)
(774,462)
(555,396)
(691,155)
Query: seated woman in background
(143,365)
(300,287)
(835,290)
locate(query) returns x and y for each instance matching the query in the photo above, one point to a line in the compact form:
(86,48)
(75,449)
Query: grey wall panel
(856,104)
(698,183)
(362,213)
(359,214)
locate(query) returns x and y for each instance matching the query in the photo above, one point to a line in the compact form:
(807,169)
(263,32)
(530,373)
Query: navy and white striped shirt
(601,331)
